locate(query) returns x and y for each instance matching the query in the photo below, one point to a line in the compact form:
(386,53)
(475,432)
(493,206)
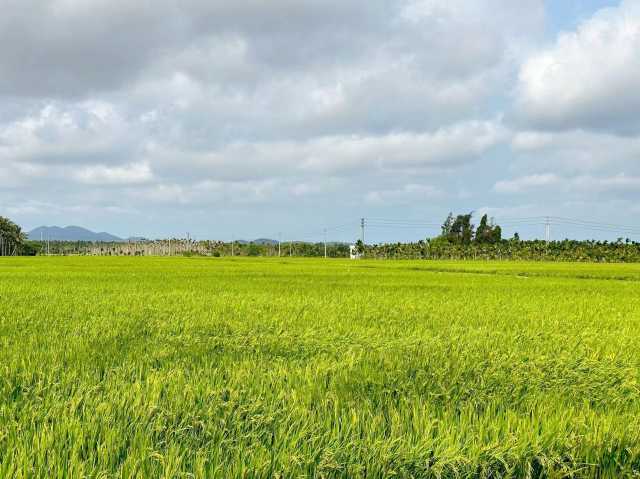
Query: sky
(254,119)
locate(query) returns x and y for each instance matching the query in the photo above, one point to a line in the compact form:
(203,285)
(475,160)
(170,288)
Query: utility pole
(325,243)
(362,223)
(547,230)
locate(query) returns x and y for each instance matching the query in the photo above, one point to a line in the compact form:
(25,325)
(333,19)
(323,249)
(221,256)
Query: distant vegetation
(184,247)
(459,239)
(13,241)
(620,251)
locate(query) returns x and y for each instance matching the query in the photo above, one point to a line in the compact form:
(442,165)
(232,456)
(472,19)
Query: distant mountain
(259,241)
(70,233)
(76,233)
(265,241)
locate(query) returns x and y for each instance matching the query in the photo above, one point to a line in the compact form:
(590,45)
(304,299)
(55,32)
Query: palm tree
(11,237)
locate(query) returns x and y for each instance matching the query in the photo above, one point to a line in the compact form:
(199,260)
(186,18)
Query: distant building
(353,252)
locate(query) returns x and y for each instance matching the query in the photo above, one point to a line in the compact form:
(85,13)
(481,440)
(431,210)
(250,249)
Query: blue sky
(255,118)
(566,15)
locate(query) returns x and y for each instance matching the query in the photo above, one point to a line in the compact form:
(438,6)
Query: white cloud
(19,174)
(443,148)
(526,183)
(306,189)
(578,151)
(589,78)
(619,184)
(409,193)
(581,184)
(531,140)
(114,175)
(66,134)
(207,192)
(462,143)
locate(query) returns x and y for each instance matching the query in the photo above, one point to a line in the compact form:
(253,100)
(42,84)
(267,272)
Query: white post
(325,243)
(547,230)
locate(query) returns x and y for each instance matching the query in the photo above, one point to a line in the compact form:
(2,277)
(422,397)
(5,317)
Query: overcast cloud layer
(251,118)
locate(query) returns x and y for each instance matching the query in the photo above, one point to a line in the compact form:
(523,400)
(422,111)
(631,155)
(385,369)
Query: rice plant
(221,367)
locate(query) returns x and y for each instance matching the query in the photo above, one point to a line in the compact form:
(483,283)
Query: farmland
(223,367)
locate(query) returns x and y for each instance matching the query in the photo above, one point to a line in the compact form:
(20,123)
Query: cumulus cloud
(17,174)
(119,175)
(66,134)
(324,86)
(408,193)
(526,183)
(589,77)
(200,104)
(578,151)
(71,49)
(444,148)
(620,184)
(207,192)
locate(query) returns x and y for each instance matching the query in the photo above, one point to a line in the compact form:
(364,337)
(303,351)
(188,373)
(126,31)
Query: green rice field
(224,368)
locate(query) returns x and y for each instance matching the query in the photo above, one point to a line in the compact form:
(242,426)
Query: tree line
(13,241)
(459,239)
(185,247)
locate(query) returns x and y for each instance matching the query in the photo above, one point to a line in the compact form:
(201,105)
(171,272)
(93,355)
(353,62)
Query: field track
(222,368)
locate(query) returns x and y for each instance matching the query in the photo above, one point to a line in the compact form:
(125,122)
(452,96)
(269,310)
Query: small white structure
(353,252)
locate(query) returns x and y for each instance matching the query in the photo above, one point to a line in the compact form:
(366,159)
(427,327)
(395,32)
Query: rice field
(225,368)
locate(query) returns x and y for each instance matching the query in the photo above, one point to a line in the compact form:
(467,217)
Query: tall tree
(488,232)
(497,234)
(11,236)
(458,230)
(446,226)
(484,230)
